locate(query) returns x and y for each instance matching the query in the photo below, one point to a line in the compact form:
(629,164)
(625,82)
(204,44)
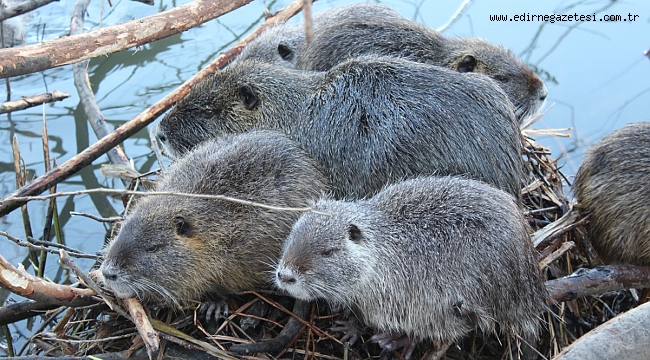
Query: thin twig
(160,193)
(456,15)
(36,245)
(30,101)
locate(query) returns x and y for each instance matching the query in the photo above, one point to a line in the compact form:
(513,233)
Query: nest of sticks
(103,327)
(108,328)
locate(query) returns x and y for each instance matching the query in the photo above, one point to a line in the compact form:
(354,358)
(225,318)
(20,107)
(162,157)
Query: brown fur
(173,249)
(612,186)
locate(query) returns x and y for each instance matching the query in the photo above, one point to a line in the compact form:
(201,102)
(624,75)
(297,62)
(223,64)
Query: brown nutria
(612,186)
(280,43)
(172,249)
(353,30)
(425,259)
(369,121)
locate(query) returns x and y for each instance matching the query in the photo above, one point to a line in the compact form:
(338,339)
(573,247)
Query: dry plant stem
(51,208)
(86,95)
(316,330)
(18,281)
(69,50)
(598,280)
(142,323)
(20,182)
(22,8)
(87,156)
(30,101)
(555,255)
(164,328)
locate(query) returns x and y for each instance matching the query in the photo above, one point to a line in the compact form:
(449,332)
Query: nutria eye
(354,233)
(208,112)
(501,78)
(183,227)
(328,252)
(152,248)
(285,51)
(247,97)
(468,64)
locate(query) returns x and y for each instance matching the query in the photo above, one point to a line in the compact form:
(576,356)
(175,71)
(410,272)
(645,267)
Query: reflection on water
(596,73)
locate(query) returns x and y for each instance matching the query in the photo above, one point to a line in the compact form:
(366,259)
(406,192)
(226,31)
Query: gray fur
(369,121)
(397,36)
(612,185)
(360,29)
(429,258)
(281,43)
(216,246)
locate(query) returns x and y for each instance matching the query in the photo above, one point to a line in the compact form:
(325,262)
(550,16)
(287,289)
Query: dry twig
(30,101)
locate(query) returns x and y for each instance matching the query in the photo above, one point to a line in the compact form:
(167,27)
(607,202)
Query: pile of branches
(83,319)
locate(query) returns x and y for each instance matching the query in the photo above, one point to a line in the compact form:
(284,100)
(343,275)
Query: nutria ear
(355,233)
(467,64)
(285,51)
(247,97)
(183,228)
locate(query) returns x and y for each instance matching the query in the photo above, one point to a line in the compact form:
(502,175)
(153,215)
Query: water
(596,72)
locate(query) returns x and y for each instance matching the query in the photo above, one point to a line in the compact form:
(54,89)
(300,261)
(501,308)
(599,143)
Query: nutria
(612,186)
(349,31)
(280,43)
(369,121)
(397,36)
(207,246)
(425,259)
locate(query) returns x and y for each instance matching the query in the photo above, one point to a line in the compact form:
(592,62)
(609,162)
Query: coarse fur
(369,121)
(429,258)
(174,249)
(360,29)
(281,43)
(612,187)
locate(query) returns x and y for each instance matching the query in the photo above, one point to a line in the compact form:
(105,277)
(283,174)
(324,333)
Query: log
(626,336)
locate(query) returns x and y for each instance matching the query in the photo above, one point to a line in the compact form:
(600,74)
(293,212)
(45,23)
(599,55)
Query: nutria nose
(286,277)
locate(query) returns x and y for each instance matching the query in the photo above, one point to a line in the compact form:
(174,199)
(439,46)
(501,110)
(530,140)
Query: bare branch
(69,50)
(22,8)
(128,129)
(30,101)
(598,280)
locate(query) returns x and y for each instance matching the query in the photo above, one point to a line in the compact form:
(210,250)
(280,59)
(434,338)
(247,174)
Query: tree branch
(69,50)
(86,157)
(30,101)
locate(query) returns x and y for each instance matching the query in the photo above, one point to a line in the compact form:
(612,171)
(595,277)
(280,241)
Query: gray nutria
(361,29)
(280,43)
(426,259)
(612,185)
(369,121)
(173,249)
